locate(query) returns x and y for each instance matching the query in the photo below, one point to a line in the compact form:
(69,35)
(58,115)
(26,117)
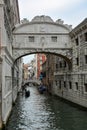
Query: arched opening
(54,63)
(66,58)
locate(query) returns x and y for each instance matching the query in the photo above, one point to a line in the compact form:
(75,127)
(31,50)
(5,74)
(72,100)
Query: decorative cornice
(44,19)
(78,29)
(41,33)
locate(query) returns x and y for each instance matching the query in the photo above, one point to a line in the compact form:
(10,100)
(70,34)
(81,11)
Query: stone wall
(8,13)
(72,84)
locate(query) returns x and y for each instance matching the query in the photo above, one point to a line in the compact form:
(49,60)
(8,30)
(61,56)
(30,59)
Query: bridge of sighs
(42,35)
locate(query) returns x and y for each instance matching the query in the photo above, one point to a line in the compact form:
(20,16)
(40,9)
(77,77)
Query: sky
(72,12)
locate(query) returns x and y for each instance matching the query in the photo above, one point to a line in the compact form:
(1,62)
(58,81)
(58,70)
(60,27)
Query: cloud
(33,7)
(40,4)
(53,4)
(28,58)
(71,11)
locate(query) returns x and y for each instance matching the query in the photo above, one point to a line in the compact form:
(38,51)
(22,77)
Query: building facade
(10,70)
(32,69)
(40,59)
(70,82)
(25,71)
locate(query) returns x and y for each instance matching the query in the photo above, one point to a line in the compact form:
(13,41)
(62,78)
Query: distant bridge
(32,81)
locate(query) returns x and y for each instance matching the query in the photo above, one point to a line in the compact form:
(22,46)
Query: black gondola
(27,93)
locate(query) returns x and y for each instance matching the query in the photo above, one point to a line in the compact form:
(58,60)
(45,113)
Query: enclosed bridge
(42,35)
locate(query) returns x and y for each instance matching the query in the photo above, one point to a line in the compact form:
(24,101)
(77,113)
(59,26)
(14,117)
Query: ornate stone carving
(24,21)
(42,28)
(42,18)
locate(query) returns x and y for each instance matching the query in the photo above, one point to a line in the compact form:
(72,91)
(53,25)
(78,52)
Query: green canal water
(45,112)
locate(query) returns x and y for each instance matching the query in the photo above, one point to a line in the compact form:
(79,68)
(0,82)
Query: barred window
(64,84)
(60,64)
(56,66)
(76,86)
(56,82)
(31,38)
(64,63)
(77,61)
(60,84)
(70,85)
(77,41)
(85,59)
(54,38)
(85,36)
(85,87)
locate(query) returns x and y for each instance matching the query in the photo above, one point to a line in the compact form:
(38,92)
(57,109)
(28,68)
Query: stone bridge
(42,35)
(32,81)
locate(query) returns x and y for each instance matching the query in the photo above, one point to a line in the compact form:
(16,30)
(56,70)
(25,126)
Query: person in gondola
(27,93)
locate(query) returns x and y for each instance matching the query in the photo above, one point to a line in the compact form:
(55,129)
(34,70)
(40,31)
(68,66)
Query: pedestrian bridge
(32,81)
(42,35)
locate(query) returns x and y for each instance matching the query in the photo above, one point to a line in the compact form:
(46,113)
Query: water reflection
(43,112)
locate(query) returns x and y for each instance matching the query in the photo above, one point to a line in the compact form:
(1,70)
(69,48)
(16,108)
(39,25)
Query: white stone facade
(72,84)
(8,70)
(42,34)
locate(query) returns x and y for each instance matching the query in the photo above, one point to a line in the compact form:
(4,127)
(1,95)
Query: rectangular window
(85,87)
(70,85)
(85,36)
(64,63)
(60,64)
(77,61)
(81,38)
(85,59)
(76,86)
(31,38)
(64,84)
(56,66)
(56,83)
(76,41)
(54,39)
(59,84)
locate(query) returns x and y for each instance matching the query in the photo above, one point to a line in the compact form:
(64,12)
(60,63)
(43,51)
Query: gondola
(27,93)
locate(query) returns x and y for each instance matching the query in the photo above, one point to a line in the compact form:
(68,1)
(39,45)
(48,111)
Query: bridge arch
(68,59)
(42,35)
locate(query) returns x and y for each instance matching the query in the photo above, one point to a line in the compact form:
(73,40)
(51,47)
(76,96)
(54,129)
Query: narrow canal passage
(43,112)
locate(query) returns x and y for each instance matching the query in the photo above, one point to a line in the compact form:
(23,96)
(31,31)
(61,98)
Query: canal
(45,112)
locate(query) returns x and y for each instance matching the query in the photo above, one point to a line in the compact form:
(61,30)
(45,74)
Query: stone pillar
(1,59)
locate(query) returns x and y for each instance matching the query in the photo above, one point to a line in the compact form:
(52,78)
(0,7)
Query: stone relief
(42,18)
(42,28)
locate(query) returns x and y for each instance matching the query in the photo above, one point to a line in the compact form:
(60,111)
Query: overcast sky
(71,11)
